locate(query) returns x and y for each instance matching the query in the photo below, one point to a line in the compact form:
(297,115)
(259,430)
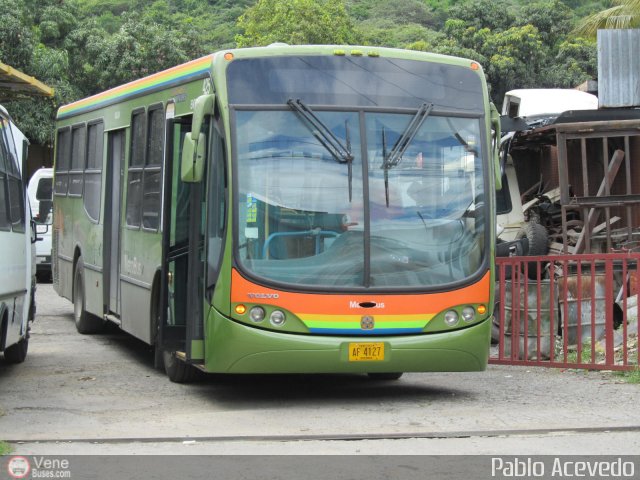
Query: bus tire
(17,352)
(158,359)
(32,305)
(177,370)
(86,323)
(384,375)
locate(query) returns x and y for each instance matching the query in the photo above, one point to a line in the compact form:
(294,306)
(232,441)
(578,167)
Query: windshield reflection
(420,224)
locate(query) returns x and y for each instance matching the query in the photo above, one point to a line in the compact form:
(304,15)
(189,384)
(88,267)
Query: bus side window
(93,171)
(14,182)
(152,182)
(5,222)
(63,159)
(78,154)
(135,170)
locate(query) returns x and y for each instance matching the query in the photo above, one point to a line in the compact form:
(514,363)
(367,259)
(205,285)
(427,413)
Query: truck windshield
(307,220)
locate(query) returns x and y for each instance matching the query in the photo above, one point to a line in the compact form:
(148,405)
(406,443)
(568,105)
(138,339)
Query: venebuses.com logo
(38,467)
(18,467)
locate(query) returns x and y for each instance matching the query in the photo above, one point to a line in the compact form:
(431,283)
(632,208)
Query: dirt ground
(101,394)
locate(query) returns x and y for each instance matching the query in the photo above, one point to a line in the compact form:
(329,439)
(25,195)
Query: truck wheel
(538,244)
(86,323)
(17,352)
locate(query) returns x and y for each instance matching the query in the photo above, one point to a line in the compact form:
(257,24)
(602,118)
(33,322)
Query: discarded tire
(538,239)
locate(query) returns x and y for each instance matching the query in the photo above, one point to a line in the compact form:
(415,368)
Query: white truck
(40,192)
(531,107)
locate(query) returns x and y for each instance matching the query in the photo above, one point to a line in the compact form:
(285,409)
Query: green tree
(491,14)
(296,22)
(511,58)
(516,57)
(139,48)
(526,50)
(576,61)
(16,38)
(53,22)
(404,12)
(553,19)
(386,33)
(624,14)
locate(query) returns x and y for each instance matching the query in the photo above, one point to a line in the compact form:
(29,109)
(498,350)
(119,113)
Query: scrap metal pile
(578,175)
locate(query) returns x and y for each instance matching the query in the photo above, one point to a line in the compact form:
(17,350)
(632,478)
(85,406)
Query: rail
(567,311)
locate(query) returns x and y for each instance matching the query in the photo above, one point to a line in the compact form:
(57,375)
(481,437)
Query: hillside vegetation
(81,47)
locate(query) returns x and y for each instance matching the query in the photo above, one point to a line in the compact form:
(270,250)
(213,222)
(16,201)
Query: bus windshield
(412,220)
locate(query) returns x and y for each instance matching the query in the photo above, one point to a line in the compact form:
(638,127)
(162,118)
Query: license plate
(366,352)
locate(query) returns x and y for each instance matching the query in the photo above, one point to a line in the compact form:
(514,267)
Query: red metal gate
(569,311)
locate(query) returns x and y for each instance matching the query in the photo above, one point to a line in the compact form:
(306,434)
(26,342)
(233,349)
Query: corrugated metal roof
(14,83)
(619,68)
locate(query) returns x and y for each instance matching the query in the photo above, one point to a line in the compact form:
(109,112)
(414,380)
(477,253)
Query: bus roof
(192,70)
(201,68)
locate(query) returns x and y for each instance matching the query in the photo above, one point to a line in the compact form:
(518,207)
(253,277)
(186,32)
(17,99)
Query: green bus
(285,209)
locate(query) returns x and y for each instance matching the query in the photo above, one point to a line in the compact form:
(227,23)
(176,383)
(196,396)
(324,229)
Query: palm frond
(590,25)
(632,5)
(619,21)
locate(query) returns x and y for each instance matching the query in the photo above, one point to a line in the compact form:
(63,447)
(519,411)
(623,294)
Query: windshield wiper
(468,148)
(395,155)
(341,153)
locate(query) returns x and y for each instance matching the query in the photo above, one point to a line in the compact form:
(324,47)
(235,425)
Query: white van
(40,192)
(17,236)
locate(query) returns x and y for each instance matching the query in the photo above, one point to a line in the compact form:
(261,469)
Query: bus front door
(181,319)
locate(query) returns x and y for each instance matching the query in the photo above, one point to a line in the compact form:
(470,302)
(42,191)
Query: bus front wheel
(85,322)
(177,370)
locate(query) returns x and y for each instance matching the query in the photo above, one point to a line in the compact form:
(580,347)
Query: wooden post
(607,181)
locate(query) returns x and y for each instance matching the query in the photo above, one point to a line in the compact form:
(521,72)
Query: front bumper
(232,347)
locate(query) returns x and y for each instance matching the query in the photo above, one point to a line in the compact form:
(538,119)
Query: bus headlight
(468,314)
(277,318)
(451,318)
(257,314)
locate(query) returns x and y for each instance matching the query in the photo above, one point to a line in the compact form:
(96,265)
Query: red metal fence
(570,311)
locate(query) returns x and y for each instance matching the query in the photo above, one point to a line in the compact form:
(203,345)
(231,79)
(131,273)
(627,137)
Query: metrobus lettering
(208,217)
(263,295)
(356,304)
(133,266)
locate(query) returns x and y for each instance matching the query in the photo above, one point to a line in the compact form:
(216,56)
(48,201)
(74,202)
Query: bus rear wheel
(17,352)
(86,323)
(177,370)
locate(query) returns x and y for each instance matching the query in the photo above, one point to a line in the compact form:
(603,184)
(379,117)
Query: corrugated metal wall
(619,68)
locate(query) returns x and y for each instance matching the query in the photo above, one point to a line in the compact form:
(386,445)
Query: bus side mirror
(34,232)
(194,153)
(193,158)
(495,144)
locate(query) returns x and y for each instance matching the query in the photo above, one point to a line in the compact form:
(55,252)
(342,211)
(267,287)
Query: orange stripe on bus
(244,291)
